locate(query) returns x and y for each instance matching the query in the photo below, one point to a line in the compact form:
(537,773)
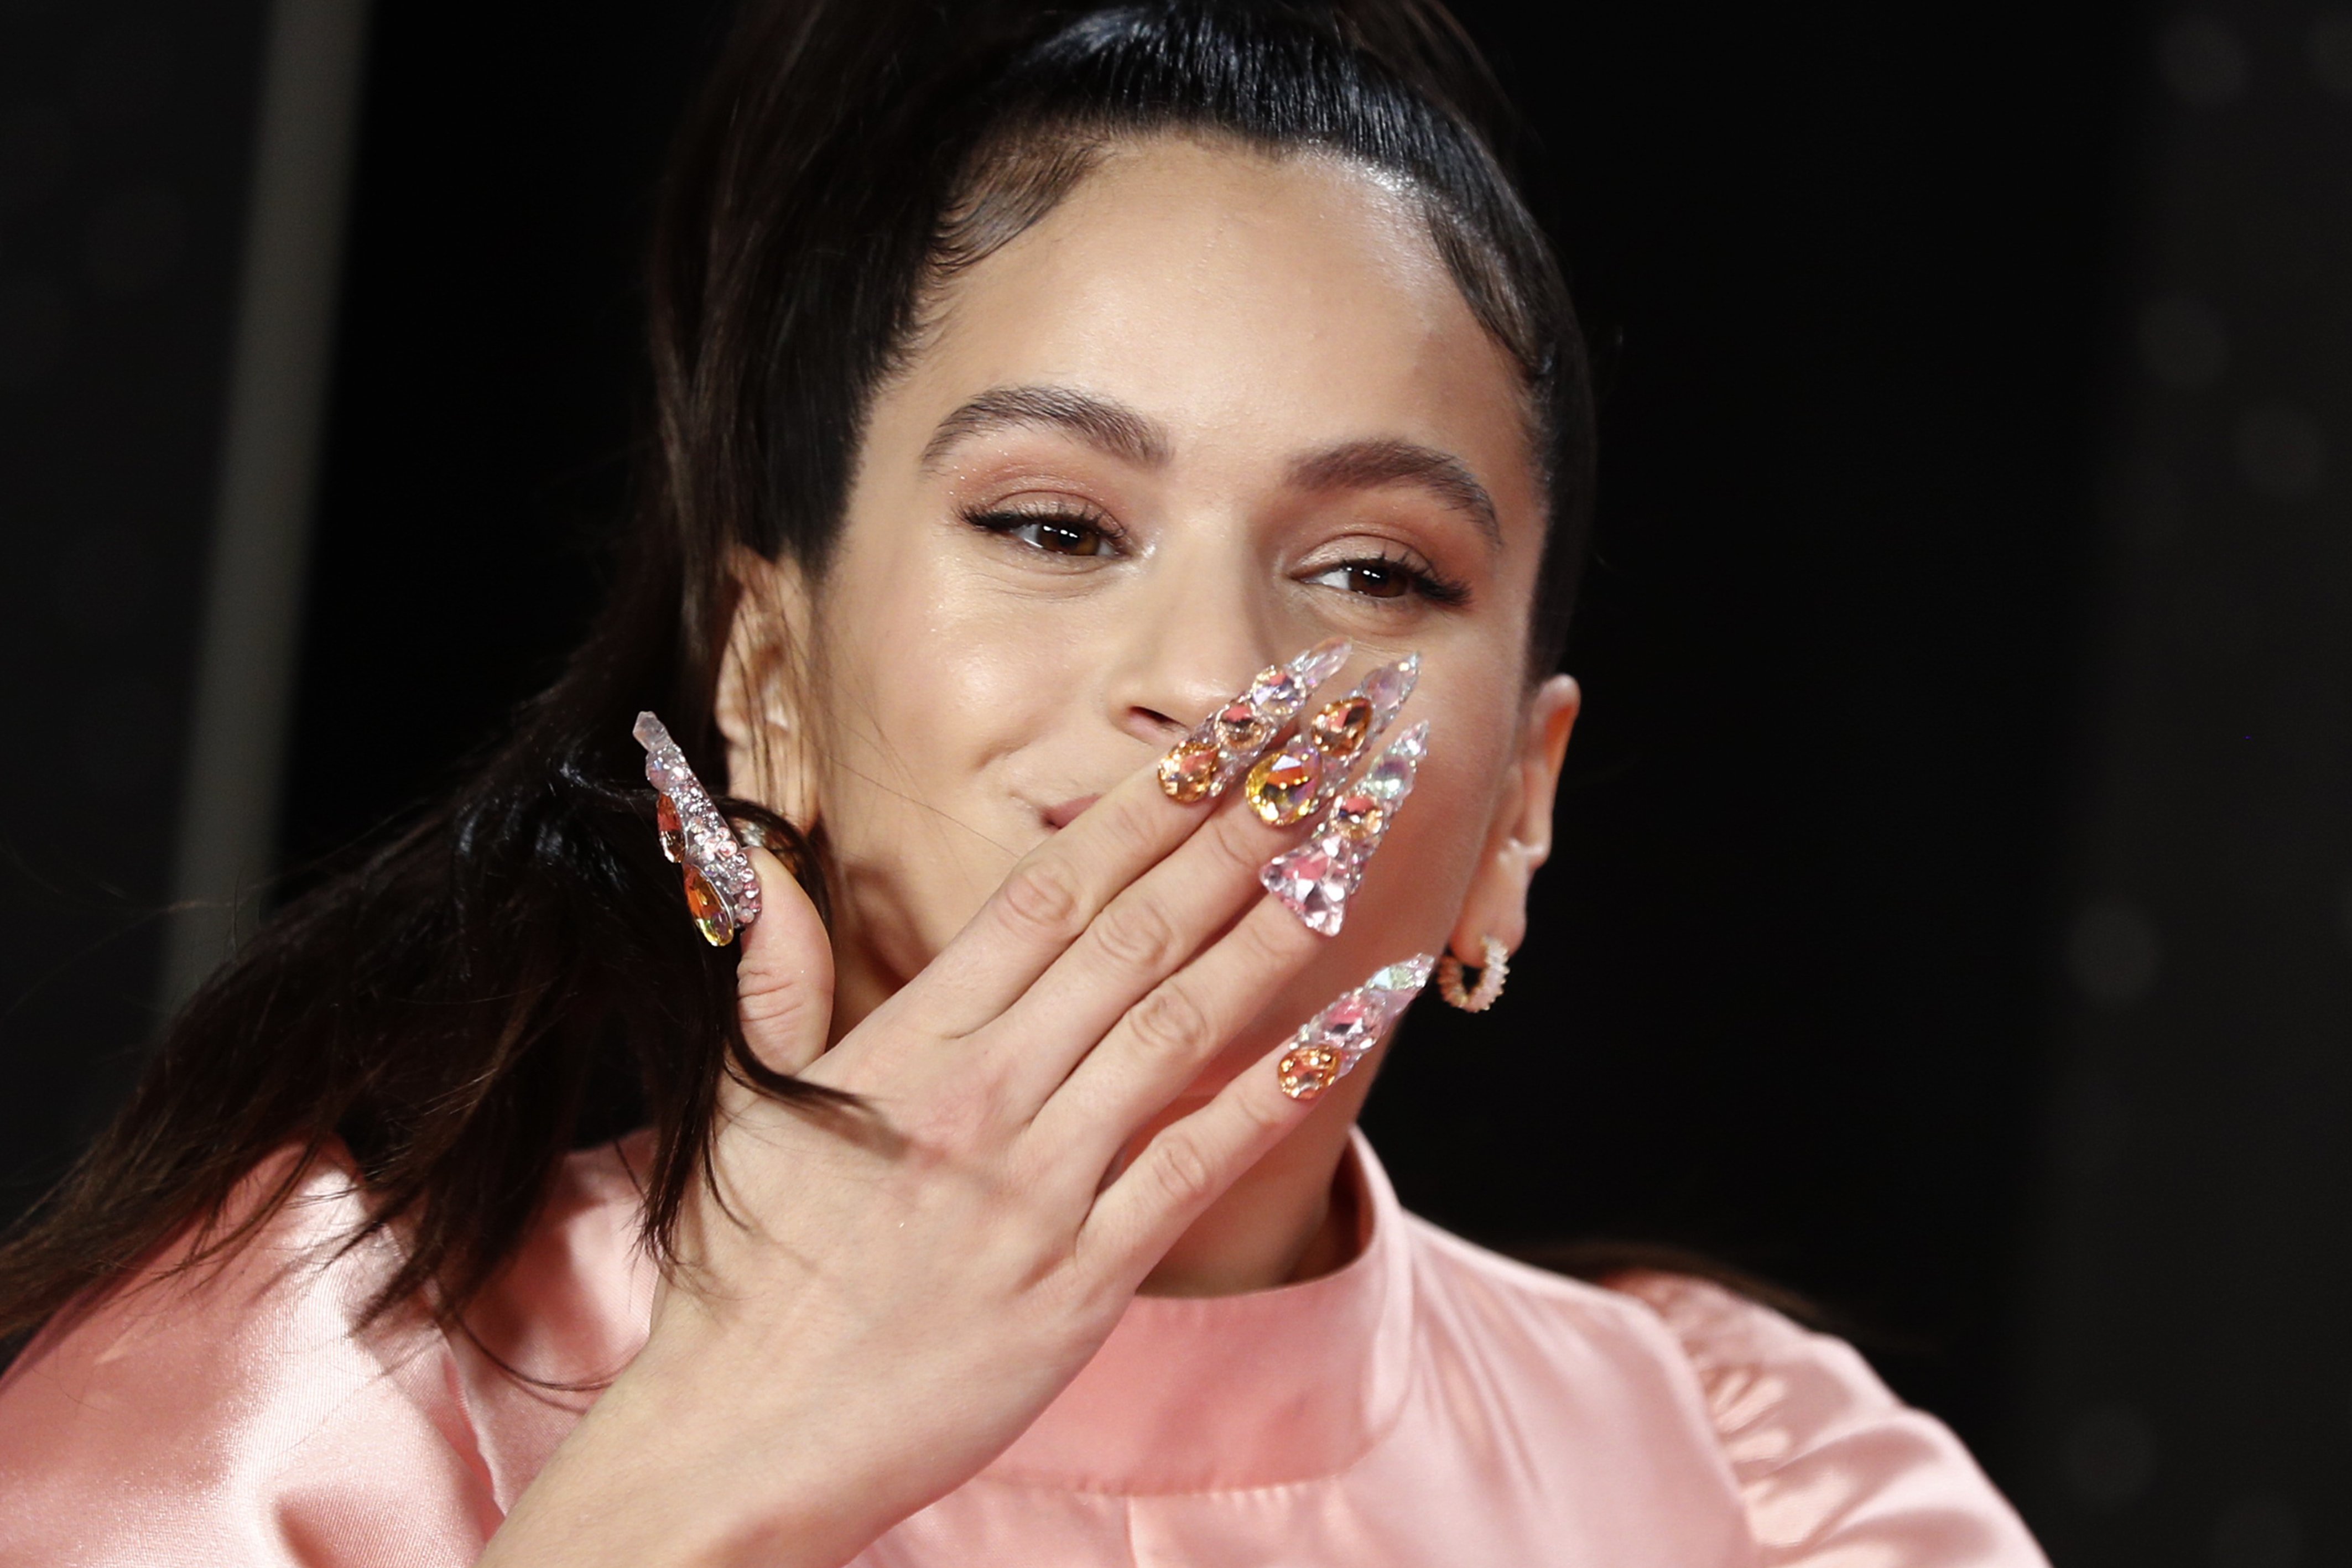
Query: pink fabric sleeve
(230,1417)
(1833,1469)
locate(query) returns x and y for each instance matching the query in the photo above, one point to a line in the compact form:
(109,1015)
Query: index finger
(1048,901)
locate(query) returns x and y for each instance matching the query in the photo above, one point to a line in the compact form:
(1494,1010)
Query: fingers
(1055,893)
(1185,1168)
(1148,932)
(1163,1042)
(1192,1160)
(783,982)
(1156,925)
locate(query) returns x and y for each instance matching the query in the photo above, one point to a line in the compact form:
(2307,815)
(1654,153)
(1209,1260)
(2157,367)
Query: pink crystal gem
(1314,881)
(1352,1023)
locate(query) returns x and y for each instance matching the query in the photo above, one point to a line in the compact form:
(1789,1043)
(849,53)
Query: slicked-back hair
(510,978)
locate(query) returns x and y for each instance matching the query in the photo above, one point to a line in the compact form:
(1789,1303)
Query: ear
(762,708)
(1519,841)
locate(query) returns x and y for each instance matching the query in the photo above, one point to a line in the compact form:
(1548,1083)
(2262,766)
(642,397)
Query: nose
(1197,629)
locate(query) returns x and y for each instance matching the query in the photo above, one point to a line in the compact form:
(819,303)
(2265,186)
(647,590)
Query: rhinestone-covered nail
(1290,785)
(722,889)
(1220,749)
(1328,1049)
(1314,880)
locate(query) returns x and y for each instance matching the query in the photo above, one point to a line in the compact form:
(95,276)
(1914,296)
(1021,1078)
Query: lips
(1061,816)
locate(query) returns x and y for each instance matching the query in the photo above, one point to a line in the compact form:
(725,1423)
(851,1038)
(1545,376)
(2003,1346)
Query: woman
(1079,429)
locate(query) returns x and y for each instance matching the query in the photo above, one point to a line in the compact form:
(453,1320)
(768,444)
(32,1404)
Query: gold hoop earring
(1494,969)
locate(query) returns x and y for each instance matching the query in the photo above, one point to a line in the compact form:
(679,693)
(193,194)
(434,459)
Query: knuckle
(772,1008)
(1269,1115)
(1131,828)
(1042,898)
(1275,942)
(1239,836)
(1137,932)
(1169,1024)
(1183,1171)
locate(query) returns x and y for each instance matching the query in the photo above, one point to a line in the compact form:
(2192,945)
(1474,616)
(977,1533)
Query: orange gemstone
(1188,773)
(1307,1070)
(1281,787)
(710,912)
(673,834)
(1340,729)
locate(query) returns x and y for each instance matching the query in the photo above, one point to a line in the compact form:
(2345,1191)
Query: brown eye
(1055,535)
(1061,537)
(1377,582)
(1368,579)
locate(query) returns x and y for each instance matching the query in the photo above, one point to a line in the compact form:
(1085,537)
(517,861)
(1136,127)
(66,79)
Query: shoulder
(1830,1462)
(235,1410)
(1828,1465)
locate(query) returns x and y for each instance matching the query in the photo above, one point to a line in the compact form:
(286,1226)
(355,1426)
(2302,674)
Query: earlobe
(758,704)
(1520,841)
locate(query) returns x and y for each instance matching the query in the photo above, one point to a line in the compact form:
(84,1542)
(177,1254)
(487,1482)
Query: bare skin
(1167,437)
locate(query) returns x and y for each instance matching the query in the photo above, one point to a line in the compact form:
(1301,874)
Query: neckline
(1218,1393)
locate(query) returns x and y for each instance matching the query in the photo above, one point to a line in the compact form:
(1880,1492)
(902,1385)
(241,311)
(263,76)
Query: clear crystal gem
(1388,686)
(1321,662)
(1276,692)
(1241,727)
(1358,814)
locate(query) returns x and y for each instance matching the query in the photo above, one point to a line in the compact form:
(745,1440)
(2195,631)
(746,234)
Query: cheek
(929,681)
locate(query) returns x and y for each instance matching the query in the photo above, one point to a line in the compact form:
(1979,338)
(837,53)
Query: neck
(1287,1219)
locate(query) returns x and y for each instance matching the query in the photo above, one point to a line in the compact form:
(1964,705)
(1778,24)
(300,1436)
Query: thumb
(783,982)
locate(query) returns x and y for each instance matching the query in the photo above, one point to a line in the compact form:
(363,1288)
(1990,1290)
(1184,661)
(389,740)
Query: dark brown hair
(510,979)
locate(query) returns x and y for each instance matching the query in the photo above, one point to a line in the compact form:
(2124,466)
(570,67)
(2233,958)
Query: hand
(868,1313)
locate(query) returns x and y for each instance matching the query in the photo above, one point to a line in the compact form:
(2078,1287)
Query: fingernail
(1203,764)
(1328,1048)
(1314,880)
(722,890)
(1288,785)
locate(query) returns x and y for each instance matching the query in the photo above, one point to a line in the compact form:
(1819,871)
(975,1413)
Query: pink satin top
(1428,1405)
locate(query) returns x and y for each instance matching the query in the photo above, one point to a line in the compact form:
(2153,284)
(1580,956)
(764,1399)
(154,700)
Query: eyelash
(1102,529)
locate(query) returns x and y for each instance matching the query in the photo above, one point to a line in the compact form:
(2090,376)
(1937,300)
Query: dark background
(1952,919)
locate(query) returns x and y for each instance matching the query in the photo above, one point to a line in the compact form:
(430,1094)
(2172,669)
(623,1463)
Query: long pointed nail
(1288,785)
(1328,1048)
(722,889)
(1314,880)
(1220,749)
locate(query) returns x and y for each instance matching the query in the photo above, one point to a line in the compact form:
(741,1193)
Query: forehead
(1253,304)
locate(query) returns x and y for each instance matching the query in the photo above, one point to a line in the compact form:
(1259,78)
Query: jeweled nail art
(1314,880)
(1220,749)
(1288,786)
(1328,1049)
(722,889)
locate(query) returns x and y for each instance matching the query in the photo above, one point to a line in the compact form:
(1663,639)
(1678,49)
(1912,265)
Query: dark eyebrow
(1097,420)
(1368,465)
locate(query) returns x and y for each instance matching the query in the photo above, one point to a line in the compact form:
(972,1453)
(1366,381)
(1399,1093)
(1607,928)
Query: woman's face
(1215,408)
